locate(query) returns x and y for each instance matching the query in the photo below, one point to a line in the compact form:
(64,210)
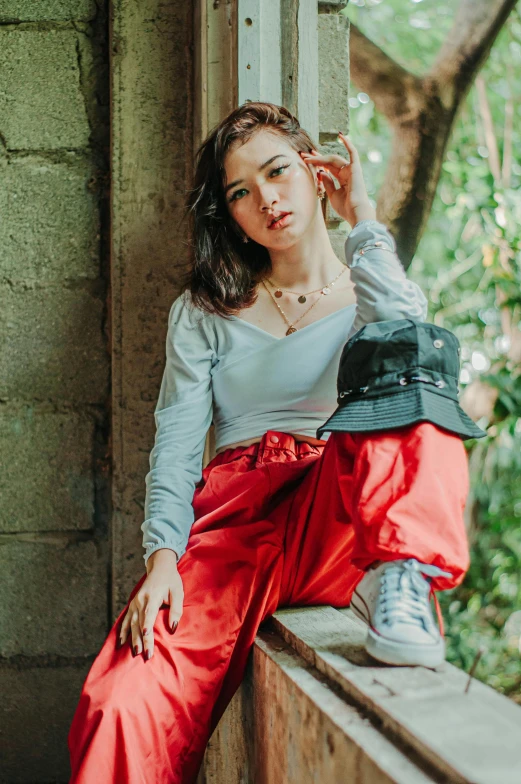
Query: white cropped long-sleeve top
(248,381)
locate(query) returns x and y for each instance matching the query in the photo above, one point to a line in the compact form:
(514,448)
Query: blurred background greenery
(469,265)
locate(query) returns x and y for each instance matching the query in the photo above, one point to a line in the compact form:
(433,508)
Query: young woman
(279,517)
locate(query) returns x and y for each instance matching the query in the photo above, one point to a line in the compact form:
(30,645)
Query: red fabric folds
(279,523)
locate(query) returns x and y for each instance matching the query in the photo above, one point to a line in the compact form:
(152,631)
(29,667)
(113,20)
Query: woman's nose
(267,196)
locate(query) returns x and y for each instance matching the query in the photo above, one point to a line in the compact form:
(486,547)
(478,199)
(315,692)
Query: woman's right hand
(350,200)
(163,585)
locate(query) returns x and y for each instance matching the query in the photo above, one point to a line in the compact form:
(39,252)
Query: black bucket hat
(396,373)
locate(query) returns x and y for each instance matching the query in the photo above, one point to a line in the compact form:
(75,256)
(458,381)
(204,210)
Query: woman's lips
(281,222)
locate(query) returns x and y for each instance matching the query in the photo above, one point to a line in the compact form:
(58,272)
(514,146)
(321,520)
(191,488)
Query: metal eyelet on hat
(438,343)
(403,382)
(348,391)
(440,384)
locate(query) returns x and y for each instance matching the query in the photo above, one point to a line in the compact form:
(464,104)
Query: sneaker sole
(397,653)
(405,655)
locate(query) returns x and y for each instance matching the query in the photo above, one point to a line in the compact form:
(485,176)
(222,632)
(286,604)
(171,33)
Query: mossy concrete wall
(54,373)
(151,72)
(82,336)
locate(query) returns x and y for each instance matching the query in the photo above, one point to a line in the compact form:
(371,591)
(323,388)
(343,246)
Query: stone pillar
(333,92)
(151,49)
(54,374)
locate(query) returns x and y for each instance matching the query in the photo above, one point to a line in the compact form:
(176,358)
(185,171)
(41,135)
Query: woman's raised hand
(163,585)
(350,200)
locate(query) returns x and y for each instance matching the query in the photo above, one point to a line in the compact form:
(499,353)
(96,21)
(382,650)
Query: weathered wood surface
(286,725)
(305,732)
(314,707)
(466,737)
(229,755)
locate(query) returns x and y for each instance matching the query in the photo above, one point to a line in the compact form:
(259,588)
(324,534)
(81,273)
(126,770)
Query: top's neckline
(302,329)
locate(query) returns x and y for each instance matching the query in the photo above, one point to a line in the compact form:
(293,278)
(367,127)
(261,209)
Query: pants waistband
(276,441)
(273,442)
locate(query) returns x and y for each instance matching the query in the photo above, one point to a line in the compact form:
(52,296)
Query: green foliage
(469,264)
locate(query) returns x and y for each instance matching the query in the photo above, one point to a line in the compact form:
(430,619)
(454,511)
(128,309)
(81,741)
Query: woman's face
(266,177)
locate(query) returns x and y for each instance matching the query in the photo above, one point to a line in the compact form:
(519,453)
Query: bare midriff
(257,439)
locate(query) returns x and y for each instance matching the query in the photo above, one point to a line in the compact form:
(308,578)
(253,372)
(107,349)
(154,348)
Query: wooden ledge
(314,707)
(463,737)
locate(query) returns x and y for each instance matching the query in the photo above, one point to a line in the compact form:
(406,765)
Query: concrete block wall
(54,374)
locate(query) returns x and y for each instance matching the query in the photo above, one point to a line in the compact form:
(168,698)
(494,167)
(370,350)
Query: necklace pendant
(278,293)
(326,290)
(302,298)
(290,330)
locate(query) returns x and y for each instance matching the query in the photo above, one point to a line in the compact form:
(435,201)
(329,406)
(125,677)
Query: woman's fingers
(327,179)
(176,607)
(352,192)
(149,616)
(142,612)
(332,159)
(353,152)
(136,642)
(332,162)
(124,629)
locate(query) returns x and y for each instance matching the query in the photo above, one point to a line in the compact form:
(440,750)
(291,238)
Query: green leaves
(469,265)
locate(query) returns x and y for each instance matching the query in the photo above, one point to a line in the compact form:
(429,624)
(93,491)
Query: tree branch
(490,133)
(467,46)
(422,110)
(388,83)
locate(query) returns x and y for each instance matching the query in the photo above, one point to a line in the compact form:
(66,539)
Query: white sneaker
(394,600)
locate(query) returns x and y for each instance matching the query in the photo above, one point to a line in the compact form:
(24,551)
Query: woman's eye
(236,193)
(280,169)
(273,171)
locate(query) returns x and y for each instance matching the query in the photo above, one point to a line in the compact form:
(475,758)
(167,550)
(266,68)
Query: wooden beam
(314,706)
(215,91)
(259,61)
(286,725)
(463,736)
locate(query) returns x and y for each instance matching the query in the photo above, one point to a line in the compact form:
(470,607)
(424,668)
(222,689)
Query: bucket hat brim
(399,409)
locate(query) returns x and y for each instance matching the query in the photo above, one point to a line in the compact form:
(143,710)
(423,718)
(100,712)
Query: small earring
(321,194)
(245,239)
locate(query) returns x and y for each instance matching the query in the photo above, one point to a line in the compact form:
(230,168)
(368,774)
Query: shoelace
(437,607)
(435,571)
(406,598)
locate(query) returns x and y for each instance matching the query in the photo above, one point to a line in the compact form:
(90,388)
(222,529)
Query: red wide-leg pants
(278,523)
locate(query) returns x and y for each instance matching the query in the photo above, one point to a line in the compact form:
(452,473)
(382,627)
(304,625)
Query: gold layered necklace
(324,291)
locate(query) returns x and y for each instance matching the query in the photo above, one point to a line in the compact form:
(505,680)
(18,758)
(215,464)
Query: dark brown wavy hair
(225,270)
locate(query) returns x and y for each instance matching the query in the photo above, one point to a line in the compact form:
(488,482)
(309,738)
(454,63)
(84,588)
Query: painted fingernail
(145,631)
(135,650)
(148,655)
(174,627)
